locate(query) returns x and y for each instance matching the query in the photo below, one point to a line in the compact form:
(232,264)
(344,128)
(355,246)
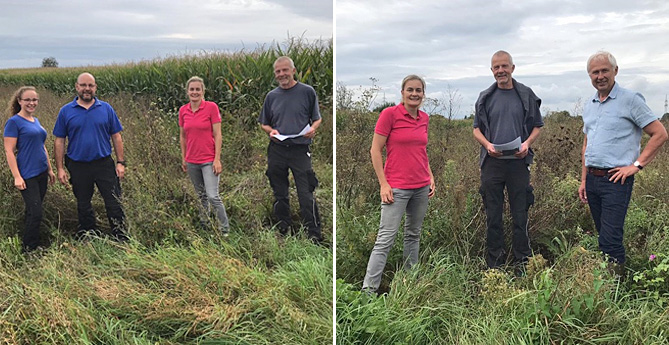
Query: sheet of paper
(282,137)
(509,149)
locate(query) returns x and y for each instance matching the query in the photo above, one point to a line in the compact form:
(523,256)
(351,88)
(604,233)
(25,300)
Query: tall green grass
(174,283)
(567,296)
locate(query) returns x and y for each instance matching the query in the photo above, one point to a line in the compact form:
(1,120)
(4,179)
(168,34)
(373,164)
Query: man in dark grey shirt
(290,109)
(505,111)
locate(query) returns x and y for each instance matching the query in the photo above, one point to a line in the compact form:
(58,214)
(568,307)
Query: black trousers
(33,196)
(297,158)
(496,174)
(101,173)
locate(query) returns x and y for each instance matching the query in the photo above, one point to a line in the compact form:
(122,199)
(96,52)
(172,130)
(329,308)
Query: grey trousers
(414,203)
(206,186)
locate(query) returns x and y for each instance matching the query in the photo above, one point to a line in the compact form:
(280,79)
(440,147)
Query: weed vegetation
(568,296)
(173,283)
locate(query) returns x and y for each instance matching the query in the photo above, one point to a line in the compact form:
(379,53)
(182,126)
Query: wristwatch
(638,165)
(121,162)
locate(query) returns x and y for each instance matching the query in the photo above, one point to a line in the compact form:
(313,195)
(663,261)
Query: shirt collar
(403,110)
(613,94)
(75,104)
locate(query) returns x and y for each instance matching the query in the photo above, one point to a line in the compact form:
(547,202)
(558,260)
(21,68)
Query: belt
(599,172)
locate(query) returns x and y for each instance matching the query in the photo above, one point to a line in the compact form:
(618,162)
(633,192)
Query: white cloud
(84,32)
(451,42)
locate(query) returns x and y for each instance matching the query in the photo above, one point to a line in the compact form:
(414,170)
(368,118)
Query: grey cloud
(316,9)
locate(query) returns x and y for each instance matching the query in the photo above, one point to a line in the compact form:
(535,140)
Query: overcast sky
(88,32)
(451,42)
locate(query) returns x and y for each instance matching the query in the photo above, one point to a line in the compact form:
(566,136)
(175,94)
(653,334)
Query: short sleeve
(59,129)
(11,129)
(315,111)
(214,113)
(264,118)
(641,113)
(385,122)
(114,121)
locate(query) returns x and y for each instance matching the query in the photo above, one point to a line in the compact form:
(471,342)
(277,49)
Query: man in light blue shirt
(613,120)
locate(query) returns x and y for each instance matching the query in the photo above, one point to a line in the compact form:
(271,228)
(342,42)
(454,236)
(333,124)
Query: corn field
(236,81)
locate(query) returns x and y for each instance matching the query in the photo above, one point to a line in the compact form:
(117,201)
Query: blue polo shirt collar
(74,103)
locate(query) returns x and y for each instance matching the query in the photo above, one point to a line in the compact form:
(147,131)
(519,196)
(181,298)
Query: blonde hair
(414,77)
(195,79)
(13,106)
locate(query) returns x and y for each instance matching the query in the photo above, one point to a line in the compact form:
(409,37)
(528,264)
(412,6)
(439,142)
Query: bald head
(85,76)
(86,88)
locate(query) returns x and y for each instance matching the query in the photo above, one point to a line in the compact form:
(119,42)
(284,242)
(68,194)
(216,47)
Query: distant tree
(344,97)
(384,105)
(363,102)
(49,62)
(665,117)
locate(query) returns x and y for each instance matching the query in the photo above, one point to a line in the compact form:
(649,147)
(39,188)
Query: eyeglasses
(30,100)
(90,86)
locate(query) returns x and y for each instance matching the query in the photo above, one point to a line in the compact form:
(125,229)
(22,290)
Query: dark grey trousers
(514,175)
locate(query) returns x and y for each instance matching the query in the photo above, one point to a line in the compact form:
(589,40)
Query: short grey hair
(602,55)
(503,52)
(284,58)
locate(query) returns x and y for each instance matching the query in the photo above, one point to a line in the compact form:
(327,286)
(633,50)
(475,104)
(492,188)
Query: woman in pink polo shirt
(406,180)
(200,139)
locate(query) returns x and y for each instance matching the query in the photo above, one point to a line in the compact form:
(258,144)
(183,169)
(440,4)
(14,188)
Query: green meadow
(567,296)
(174,283)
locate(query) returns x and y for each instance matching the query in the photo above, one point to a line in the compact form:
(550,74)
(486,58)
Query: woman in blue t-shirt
(28,159)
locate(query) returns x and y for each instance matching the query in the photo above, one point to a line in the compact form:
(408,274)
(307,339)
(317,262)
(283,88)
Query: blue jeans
(608,203)
(414,203)
(206,186)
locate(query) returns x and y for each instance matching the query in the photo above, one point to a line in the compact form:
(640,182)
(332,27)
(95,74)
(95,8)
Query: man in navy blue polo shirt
(288,110)
(613,120)
(89,124)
